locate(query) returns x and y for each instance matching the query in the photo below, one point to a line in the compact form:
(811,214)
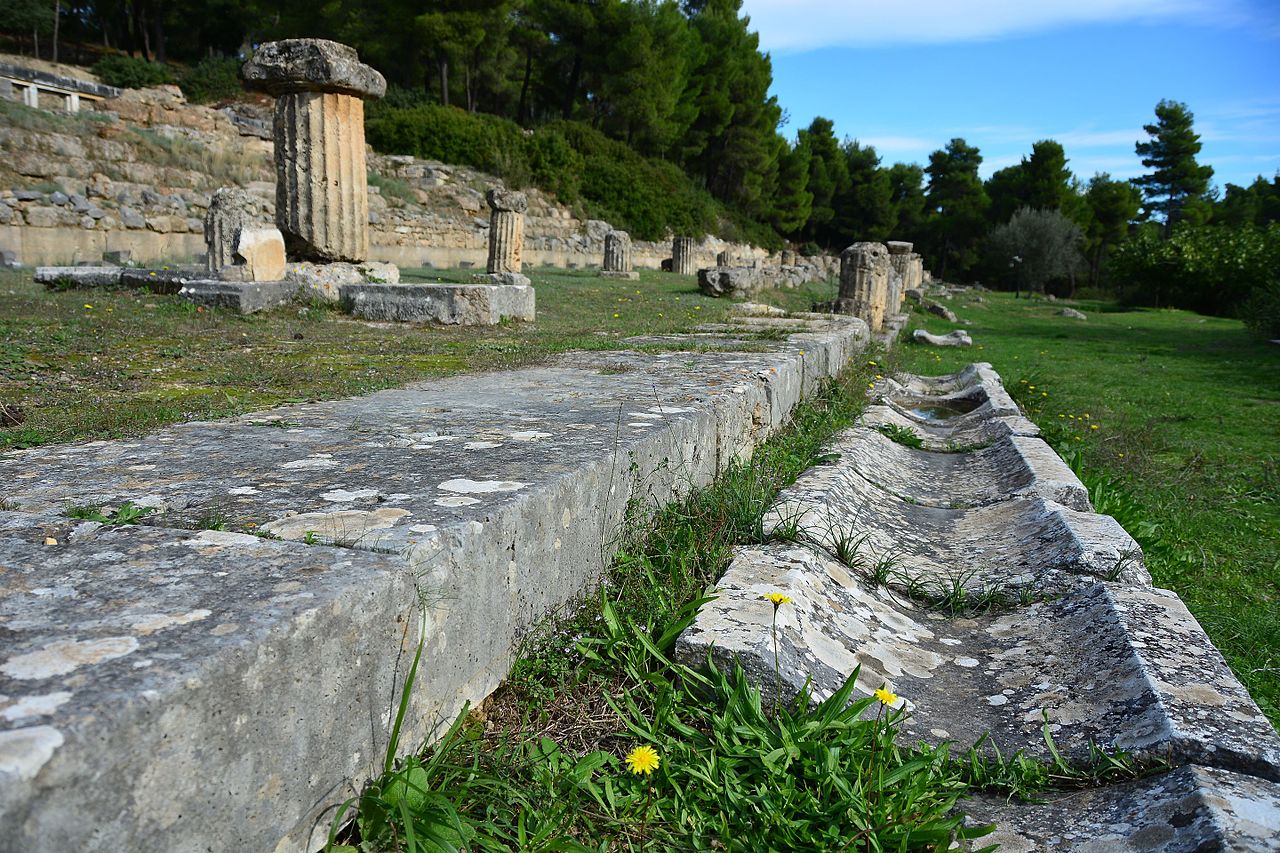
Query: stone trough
(982,588)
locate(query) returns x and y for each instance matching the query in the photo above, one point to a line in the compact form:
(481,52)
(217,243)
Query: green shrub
(126,72)
(212,79)
(1262,312)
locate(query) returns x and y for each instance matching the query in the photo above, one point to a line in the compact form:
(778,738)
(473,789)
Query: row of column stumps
(874,279)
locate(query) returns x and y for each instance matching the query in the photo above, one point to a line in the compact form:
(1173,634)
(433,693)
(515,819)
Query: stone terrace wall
(139,175)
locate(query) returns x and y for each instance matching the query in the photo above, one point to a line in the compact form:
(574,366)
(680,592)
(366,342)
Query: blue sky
(908,75)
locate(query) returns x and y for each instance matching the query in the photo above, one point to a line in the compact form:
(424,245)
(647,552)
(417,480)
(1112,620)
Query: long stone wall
(214,690)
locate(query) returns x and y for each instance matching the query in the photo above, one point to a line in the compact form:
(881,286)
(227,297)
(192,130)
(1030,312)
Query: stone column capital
(311,65)
(507,200)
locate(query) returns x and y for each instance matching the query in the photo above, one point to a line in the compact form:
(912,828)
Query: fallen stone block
(447,304)
(325,280)
(502,279)
(245,297)
(756,309)
(958,338)
(78,277)
(259,255)
(1072,313)
(1119,667)
(1189,810)
(942,311)
(731,281)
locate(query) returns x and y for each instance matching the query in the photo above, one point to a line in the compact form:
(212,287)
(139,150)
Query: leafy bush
(571,160)
(212,79)
(1212,269)
(1262,312)
(126,72)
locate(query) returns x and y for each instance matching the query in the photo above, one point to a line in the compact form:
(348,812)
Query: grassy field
(111,363)
(1175,420)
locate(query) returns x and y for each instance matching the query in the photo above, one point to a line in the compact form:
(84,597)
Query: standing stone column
(788,258)
(723,259)
(682,256)
(322,203)
(617,256)
(506,230)
(900,259)
(864,282)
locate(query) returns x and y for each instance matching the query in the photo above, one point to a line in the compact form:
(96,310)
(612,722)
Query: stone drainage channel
(182,684)
(1079,638)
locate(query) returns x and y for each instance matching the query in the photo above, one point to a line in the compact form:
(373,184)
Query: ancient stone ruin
(506,236)
(240,248)
(682,258)
(864,283)
(617,257)
(321,176)
(1072,636)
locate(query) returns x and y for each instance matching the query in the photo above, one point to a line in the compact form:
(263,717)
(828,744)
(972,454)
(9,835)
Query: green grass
(1174,421)
(88,364)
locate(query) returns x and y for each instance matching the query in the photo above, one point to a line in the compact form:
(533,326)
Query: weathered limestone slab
(325,281)
(617,257)
(448,304)
(78,277)
(1121,667)
(942,311)
(1190,810)
(864,282)
(1072,314)
(247,297)
(506,230)
(260,255)
(682,259)
(494,492)
(138,664)
(322,205)
(957,338)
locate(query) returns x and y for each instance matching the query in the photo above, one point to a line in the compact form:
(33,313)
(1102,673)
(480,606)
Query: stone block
(444,304)
(244,297)
(260,254)
(958,338)
(864,282)
(324,281)
(77,277)
(118,257)
(1072,314)
(942,311)
(42,217)
(619,275)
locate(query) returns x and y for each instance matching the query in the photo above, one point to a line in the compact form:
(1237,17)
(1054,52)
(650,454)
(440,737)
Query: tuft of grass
(127,513)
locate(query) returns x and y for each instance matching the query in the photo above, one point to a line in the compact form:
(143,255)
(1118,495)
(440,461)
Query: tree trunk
(161,42)
(571,92)
(444,79)
(522,114)
(57,15)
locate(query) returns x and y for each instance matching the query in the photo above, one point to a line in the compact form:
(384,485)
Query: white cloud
(792,26)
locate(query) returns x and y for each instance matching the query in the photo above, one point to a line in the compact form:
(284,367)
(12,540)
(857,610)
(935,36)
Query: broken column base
(620,275)
(325,281)
(245,297)
(444,304)
(505,279)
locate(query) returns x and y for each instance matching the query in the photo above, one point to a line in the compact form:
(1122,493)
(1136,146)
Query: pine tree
(1176,181)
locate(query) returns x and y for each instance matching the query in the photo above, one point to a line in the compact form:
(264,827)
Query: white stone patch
(967,663)
(158,622)
(481,445)
(423,440)
(998,700)
(423,528)
(63,656)
(243,490)
(155,502)
(141,468)
(222,538)
(949,641)
(456,501)
(529,435)
(24,751)
(640,425)
(463,486)
(670,410)
(35,706)
(644,415)
(316,460)
(342,496)
(348,525)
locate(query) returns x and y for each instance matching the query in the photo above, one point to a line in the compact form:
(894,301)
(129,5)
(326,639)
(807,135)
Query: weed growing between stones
(126,513)
(903,435)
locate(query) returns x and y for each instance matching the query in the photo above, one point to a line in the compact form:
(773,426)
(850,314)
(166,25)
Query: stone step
(167,688)
(1124,667)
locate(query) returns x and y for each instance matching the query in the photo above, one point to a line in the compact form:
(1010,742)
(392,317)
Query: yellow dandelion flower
(778,598)
(87,305)
(643,760)
(887,697)
(617,315)
(49,540)
(1093,426)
